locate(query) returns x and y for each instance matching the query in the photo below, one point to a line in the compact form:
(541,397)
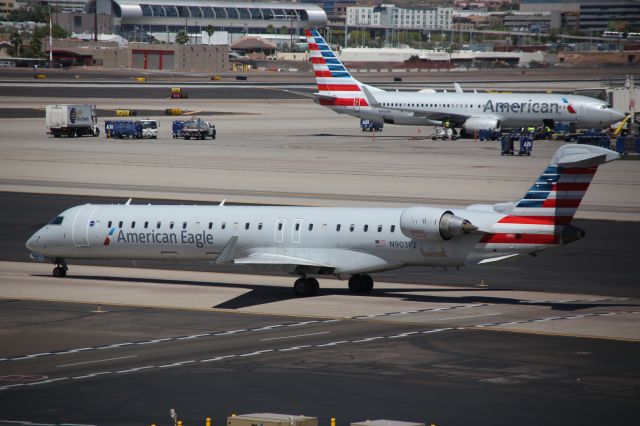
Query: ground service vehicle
(138,129)
(197,128)
(371,125)
(72,120)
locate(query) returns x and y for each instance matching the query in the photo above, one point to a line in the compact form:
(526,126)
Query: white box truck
(72,120)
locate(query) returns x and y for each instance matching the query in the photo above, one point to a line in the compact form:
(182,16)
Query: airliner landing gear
(360,283)
(60,271)
(305,287)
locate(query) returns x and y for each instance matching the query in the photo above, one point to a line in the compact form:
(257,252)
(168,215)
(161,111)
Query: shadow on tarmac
(264,294)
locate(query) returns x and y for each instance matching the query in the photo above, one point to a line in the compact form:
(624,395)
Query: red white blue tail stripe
(336,86)
(551,203)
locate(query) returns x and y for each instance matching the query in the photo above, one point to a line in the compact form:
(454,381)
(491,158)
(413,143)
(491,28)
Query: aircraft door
(280,230)
(295,232)
(81,224)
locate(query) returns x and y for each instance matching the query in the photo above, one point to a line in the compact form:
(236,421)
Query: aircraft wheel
(305,287)
(315,286)
(367,284)
(59,272)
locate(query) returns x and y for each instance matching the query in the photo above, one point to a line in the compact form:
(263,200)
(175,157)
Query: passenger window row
(247,226)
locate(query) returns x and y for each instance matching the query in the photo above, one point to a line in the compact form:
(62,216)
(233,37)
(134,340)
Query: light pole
(50,37)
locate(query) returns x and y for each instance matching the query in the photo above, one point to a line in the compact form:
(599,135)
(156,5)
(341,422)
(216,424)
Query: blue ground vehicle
(120,129)
(371,125)
(177,128)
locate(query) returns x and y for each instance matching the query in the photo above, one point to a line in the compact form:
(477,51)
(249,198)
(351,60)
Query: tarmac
(550,340)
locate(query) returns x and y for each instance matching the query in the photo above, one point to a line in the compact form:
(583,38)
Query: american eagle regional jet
(471,112)
(308,241)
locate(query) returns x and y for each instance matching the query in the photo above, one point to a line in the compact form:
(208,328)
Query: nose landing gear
(60,271)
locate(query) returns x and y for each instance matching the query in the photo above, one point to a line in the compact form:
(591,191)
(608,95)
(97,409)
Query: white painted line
(368,339)
(92,375)
(115,345)
(293,337)
(218,358)
(47,381)
(176,364)
(257,352)
(136,369)
(332,343)
(148,342)
(437,330)
(294,348)
(12,386)
(331,320)
(195,336)
(98,360)
(73,351)
(397,336)
(18,422)
(297,324)
(224,333)
(268,327)
(469,316)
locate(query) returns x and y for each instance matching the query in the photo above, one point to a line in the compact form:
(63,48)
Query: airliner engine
(481,123)
(430,223)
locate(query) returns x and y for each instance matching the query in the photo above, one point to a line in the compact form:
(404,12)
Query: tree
(16,38)
(182,37)
(210,32)
(284,30)
(36,13)
(270,29)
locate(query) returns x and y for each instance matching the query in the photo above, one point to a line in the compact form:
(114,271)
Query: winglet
(222,203)
(128,202)
(371,100)
(458,88)
(228,252)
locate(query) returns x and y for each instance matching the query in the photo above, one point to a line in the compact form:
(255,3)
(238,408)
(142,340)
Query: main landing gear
(60,271)
(307,286)
(360,283)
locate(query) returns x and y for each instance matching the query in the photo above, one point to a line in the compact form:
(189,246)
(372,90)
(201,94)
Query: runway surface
(131,365)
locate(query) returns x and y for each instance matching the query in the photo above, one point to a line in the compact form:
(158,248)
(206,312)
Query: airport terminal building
(134,19)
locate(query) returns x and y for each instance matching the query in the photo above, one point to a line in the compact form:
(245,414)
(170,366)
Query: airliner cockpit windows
(57,220)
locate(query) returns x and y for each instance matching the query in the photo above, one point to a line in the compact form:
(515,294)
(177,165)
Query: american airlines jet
(308,241)
(342,93)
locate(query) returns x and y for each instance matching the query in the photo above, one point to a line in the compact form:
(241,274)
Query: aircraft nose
(616,115)
(32,243)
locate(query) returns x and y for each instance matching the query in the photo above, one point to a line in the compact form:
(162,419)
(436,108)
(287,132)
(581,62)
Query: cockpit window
(604,106)
(56,220)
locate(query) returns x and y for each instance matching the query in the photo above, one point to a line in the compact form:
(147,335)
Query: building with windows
(134,19)
(391,16)
(593,15)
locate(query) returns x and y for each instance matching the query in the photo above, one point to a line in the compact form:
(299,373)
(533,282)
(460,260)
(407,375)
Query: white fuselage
(347,240)
(512,110)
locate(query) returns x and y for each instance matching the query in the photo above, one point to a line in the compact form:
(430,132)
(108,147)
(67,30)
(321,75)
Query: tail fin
(556,195)
(336,86)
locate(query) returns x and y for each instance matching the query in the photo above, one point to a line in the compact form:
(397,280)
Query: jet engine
(481,123)
(431,223)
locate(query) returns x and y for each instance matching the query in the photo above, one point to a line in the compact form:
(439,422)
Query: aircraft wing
(266,258)
(437,116)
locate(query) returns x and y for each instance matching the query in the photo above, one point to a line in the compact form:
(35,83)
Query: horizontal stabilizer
(325,97)
(582,156)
